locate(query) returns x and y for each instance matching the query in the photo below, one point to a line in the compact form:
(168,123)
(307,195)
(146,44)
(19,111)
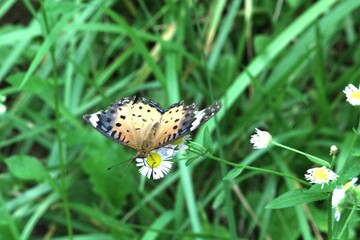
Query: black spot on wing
(119,135)
(188,119)
(151,103)
(104,121)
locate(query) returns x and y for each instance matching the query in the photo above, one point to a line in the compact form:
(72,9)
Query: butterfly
(142,124)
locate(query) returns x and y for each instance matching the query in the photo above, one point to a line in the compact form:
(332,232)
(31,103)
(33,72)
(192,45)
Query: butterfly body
(143,125)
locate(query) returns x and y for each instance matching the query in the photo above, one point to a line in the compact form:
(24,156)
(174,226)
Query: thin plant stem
(58,130)
(347,221)
(349,154)
(355,138)
(309,156)
(333,160)
(330,218)
(257,169)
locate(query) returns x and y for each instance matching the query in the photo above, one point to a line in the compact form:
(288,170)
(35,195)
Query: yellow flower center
(349,184)
(321,174)
(355,95)
(178,141)
(154,160)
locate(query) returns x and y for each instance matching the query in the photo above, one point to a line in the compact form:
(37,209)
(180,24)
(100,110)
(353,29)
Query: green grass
(280,66)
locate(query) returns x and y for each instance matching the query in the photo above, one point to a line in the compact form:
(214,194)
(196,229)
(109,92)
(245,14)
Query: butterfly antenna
(152,166)
(117,164)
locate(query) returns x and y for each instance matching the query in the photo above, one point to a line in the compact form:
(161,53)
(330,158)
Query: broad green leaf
(33,85)
(26,168)
(296,197)
(112,185)
(233,173)
(350,170)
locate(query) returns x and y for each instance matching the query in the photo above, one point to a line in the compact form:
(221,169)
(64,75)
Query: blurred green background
(278,65)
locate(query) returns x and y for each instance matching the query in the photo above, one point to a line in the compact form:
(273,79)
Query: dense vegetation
(280,66)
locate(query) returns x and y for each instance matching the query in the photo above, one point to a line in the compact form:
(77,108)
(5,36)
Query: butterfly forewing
(141,124)
(127,121)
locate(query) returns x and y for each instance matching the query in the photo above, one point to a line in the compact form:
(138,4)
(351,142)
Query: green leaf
(355,153)
(296,197)
(233,173)
(350,170)
(112,185)
(33,85)
(219,200)
(207,140)
(318,160)
(26,168)
(261,41)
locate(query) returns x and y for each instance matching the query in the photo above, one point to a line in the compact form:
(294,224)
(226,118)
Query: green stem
(355,138)
(288,148)
(333,160)
(257,169)
(58,129)
(330,217)
(13,229)
(308,156)
(346,224)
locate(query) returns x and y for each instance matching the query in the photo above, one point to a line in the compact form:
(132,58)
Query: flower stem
(256,169)
(308,156)
(346,224)
(355,138)
(330,219)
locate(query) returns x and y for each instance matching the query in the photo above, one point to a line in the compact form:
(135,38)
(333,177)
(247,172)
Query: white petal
(337,196)
(199,116)
(260,139)
(349,90)
(337,215)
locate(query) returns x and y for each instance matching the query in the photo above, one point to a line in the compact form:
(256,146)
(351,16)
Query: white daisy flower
(320,176)
(338,196)
(261,139)
(181,144)
(157,164)
(352,95)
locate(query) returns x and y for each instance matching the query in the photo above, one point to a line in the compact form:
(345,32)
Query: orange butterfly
(143,125)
